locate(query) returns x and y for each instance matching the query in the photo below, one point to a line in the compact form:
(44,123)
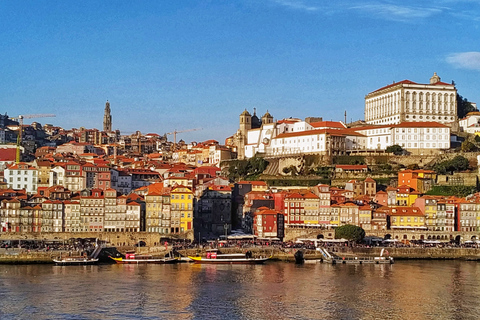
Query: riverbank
(13,256)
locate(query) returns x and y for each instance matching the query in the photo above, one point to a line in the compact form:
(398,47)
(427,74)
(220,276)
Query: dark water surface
(276,290)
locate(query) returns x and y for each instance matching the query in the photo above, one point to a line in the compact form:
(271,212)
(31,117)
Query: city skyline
(169,66)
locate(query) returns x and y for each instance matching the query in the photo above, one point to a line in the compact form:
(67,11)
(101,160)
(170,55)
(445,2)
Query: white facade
(22,176)
(72,216)
(57,176)
(471,123)
(408,135)
(413,102)
(121,181)
(292,136)
(422,136)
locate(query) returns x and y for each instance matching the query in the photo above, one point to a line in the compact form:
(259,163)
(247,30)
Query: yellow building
(406,218)
(406,196)
(431,207)
(365,217)
(335,215)
(181,209)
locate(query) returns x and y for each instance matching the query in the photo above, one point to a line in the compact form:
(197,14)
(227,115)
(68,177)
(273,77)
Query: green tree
(464,106)
(456,164)
(459,163)
(350,232)
(395,149)
(468,146)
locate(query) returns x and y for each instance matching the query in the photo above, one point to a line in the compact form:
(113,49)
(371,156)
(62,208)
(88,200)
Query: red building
(268,223)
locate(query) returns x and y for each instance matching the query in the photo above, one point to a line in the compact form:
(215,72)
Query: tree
(395,149)
(468,146)
(459,163)
(456,164)
(463,106)
(350,232)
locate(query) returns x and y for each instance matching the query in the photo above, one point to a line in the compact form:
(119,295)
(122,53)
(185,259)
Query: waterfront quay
(22,256)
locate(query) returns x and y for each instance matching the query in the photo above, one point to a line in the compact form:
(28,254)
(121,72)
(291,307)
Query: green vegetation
(286,182)
(468,146)
(349,160)
(350,233)
(456,164)
(458,191)
(249,169)
(395,149)
(464,106)
(292,170)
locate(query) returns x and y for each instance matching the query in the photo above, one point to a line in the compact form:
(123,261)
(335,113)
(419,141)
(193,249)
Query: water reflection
(405,290)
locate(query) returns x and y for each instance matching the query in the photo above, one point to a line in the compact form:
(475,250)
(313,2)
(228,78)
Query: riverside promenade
(21,256)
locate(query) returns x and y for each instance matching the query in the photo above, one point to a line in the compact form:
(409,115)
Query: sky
(181,65)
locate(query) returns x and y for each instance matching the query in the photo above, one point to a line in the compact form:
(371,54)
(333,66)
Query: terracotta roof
(405,211)
(332,132)
(328,124)
(394,84)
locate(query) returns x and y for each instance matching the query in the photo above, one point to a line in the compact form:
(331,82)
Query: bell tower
(245,122)
(107,118)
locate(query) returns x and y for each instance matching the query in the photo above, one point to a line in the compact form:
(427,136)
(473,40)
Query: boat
(214,256)
(133,258)
(74,261)
(335,259)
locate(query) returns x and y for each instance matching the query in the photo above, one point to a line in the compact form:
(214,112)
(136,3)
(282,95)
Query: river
(417,289)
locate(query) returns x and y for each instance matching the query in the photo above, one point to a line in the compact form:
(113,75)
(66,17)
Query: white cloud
(296,4)
(398,13)
(465,60)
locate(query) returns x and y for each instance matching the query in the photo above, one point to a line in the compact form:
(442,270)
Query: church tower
(267,118)
(245,122)
(107,118)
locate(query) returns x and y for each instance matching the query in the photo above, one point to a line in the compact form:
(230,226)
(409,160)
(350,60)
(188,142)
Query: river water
(276,290)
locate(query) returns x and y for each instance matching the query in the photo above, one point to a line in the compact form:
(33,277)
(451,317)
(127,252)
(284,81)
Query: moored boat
(335,259)
(74,261)
(133,258)
(215,257)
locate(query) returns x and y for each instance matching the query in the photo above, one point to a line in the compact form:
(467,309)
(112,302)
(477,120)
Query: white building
(409,135)
(293,136)
(471,123)
(57,176)
(21,176)
(412,102)
(421,135)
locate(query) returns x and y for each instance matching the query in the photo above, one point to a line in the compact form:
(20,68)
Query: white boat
(335,259)
(74,261)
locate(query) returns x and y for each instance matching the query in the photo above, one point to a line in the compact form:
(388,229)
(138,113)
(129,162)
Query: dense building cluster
(87,180)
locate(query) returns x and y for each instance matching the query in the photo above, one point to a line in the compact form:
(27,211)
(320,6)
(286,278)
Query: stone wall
(114,238)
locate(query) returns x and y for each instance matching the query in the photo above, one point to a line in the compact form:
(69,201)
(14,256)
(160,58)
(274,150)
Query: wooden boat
(215,257)
(335,259)
(74,261)
(132,258)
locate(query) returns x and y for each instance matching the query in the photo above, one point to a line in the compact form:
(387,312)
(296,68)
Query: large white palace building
(412,102)
(418,117)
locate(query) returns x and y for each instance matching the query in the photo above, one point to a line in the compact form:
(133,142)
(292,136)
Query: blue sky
(166,65)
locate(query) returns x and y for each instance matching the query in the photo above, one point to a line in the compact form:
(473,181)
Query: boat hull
(74,262)
(360,261)
(144,261)
(201,260)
